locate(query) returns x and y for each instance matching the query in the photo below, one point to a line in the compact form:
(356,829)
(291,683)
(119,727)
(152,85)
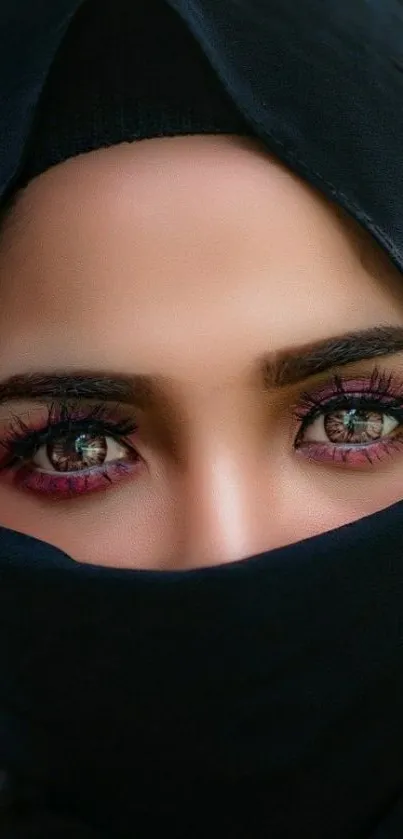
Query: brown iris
(75,452)
(354,426)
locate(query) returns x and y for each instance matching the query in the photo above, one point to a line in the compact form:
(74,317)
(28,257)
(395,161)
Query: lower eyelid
(75,484)
(364,457)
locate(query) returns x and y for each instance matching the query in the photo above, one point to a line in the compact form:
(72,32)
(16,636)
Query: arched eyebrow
(281,368)
(293,365)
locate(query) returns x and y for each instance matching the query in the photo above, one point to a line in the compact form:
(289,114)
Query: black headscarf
(262,698)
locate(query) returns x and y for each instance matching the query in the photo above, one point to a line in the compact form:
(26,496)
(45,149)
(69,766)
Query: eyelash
(381,393)
(23,442)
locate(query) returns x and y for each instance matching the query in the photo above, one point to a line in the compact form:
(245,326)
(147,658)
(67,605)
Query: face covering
(262,698)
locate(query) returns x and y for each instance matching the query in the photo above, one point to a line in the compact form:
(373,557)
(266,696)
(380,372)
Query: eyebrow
(280,369)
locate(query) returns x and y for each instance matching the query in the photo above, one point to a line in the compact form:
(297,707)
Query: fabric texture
(319,82)
(261,698)
(104,89)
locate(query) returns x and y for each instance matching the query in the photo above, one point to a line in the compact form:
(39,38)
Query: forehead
(222,178)
(224,169)
(145,244)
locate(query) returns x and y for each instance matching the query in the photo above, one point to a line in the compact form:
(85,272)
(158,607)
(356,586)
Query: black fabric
(104,89)
(263,696)
(257,699)
(319,82)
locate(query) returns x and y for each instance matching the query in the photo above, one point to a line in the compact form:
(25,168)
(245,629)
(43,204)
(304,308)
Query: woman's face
(205,264)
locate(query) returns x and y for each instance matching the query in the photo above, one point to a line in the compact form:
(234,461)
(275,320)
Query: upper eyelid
(58,416)
(322,392)
(377,383)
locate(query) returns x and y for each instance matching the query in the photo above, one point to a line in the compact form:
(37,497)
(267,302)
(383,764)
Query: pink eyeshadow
(73,485)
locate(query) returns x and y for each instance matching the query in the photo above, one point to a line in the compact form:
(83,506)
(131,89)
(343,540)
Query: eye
(75,451)
(352,426)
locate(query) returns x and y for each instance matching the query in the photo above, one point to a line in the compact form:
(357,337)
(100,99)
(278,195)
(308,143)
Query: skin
(191,257)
